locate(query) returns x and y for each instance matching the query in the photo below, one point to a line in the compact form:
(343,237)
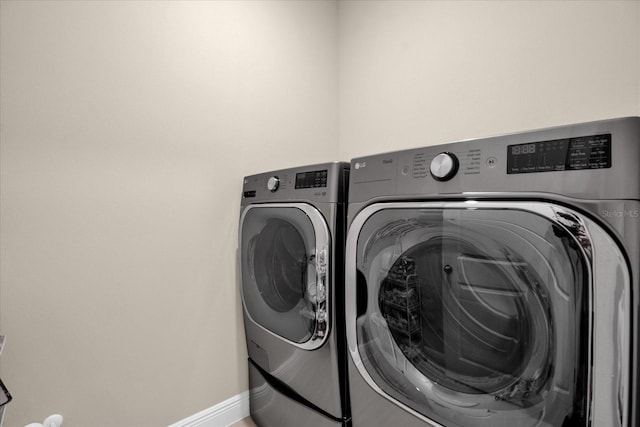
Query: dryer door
(284,252)
(480,313)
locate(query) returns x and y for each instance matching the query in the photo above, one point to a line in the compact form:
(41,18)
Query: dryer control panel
(324,182)
(312,179)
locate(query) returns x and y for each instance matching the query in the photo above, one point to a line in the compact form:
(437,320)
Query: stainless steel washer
(494,282)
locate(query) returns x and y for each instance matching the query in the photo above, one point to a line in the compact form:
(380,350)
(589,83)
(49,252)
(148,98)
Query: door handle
(361,294)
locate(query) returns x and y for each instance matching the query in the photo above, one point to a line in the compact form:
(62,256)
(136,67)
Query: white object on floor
(54,420)
(221,415)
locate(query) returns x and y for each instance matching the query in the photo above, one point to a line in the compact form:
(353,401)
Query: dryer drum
(280,265)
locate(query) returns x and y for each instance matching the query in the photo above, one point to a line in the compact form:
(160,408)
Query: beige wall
(126,129)
(418,73)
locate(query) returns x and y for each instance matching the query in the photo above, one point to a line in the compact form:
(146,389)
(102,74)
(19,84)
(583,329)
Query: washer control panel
(590,161)
(444,166)
(584,152)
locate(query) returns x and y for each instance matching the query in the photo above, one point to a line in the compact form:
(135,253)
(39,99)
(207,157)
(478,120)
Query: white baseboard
(221,415)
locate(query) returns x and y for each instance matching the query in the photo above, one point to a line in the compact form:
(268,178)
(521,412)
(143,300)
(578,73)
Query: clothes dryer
(494,282)
(291,249)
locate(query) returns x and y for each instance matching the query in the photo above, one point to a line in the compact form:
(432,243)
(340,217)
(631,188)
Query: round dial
(273,183)
(444,166)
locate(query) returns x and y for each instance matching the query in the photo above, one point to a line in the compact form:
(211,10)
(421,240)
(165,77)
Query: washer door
(284,251)
(478,314)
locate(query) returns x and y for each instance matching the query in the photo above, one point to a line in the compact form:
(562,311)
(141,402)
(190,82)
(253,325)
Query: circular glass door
(476,316)
(284,275)
(279,261)
(466,319)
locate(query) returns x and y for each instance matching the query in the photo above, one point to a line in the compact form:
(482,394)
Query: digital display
(523,149)
(314,179)
(586,152)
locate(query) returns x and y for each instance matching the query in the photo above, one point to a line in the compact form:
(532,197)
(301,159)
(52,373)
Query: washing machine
(291,259)
(494,282)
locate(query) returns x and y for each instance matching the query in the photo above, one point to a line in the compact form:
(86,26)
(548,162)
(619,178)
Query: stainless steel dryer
(291,252)
(494,282)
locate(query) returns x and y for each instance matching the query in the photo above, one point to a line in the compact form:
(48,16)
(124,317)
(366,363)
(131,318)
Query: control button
(273,183)
(491,162)
(444,166)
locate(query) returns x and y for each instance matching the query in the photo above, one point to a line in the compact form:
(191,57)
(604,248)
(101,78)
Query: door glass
(278,270)
(280,264)
(474,317)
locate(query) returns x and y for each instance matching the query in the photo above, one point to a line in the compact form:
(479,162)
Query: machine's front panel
(284,255)
(472,314)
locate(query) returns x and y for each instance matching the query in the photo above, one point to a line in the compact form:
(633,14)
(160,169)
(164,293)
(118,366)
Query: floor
(245,422)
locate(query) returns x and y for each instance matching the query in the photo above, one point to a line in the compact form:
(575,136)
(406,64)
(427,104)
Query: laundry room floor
(245,422)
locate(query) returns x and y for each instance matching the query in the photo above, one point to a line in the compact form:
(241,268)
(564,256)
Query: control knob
(444,166)
(273,183)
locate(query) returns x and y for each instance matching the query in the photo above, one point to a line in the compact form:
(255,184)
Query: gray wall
(416,73)
(126,128)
